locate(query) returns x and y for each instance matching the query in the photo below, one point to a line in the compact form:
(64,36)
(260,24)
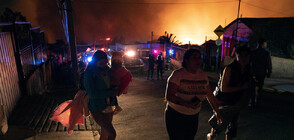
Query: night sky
(134,20)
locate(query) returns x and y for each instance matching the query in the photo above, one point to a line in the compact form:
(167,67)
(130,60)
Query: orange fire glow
(190,21)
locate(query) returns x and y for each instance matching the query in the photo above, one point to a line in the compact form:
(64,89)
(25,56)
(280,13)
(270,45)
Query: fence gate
(9,87)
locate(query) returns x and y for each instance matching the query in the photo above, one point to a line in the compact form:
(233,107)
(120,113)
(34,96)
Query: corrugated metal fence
(9,87)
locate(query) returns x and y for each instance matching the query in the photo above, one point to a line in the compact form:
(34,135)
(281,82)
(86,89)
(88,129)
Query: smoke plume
(188,20)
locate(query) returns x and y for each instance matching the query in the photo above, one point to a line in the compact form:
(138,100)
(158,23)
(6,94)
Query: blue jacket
(97,90)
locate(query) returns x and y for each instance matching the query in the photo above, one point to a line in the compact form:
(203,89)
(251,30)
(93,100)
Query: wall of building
(282,68)
(9,82)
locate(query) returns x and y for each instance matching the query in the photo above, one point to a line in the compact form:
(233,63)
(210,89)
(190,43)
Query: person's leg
(174,124)
(152,70)
(191,123)
(211,135)
(157,73)
(228,137)
(251,102)
(161,72)
(215,128)
(148,73)
(259,90)
(107,131)
(105,121)
(231,131)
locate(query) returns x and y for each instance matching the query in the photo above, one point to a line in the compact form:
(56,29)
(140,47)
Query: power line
(159,3)
(264,8)
(291,9)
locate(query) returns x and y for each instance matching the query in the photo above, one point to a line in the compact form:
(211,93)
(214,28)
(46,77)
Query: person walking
(98,87)
(261,67)
(159,69)
(151,62)
(186,88)
(233,92)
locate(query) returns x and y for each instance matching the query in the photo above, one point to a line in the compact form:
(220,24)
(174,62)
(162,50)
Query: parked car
(134,64)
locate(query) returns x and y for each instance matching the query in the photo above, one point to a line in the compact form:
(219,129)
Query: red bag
(72,112)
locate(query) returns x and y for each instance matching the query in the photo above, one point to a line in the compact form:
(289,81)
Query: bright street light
(130,53)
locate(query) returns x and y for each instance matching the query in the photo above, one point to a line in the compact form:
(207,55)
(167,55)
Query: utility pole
(72,42)
(236,32)
(189,46)
(238,9)
(164,45)
(151,41)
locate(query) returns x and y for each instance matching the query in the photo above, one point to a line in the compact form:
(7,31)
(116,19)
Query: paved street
(142,117)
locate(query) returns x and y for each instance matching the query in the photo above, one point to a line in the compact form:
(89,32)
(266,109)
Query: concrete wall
(282,68)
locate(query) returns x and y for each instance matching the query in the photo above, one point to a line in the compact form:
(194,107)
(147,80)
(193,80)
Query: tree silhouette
(167,39)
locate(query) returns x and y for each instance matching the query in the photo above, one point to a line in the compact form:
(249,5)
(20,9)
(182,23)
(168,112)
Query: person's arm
(225,87)
(93,90)
(213,103)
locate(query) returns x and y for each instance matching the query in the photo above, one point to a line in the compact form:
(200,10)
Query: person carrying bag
(233,92)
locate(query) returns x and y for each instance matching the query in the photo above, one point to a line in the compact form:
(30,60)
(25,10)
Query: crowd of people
(186,89)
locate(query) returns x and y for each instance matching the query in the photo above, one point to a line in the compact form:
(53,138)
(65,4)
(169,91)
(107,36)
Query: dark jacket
(159,62)
(261,62)
(151,62)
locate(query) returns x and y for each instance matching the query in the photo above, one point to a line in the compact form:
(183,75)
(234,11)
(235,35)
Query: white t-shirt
(190,85)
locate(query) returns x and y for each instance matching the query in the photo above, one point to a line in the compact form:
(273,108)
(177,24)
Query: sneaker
(108,109)
(209,136)
(117,110)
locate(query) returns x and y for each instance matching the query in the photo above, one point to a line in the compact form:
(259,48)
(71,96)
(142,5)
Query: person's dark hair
(187,55)
(97,56)
(159,58)
(260,41)
(243,49)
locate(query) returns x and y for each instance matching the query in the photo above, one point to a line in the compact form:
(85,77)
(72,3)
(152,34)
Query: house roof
(253,22)
(269,28)
(279,32)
